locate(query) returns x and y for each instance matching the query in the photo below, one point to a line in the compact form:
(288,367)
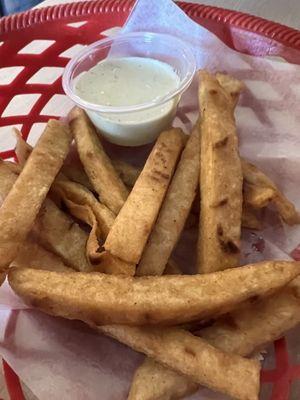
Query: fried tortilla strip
(147,367)
(165,300)
(73,171)
(150,369)
(85,213)
(22,148)
(286,209)
(242,332)
(8,177)
(92,246)
(54,229)
(127,172)
(250,220)
(60,234)
(259,191)
(132,227)
(251,326)
(110,188)
(76,173)
(220,179)
(80,201)
(257,196)
(23,151)
(172,268)
(153,381)
(194,357)
(174,211)
(32,254)
(232,86)
(254,176)
(23,202)
(75,194)
(84,206)
(13,167)
(192,221)
(110,264)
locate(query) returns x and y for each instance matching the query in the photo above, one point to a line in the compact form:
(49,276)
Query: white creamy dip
(129,81)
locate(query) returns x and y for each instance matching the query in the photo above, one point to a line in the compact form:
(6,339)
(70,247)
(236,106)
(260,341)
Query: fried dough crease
(83,205)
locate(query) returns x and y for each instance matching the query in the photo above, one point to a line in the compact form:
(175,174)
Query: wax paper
(61,359)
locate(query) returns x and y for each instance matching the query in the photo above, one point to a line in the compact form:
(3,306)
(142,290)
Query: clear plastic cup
(138,124)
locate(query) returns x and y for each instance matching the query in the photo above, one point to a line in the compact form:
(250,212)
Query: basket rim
(282,34)
(272,30)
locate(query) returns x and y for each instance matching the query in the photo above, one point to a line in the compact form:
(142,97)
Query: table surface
(286,12)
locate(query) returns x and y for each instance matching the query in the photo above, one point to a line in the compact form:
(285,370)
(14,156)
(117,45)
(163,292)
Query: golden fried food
(71,170)
(31,253)
(259,191)
(172,268)
(243,331)
(22,204)
(232,312)
(98,167)
(257,322)
(220,179)
(52,227)
(22,148)
(250,218)
(133,225)
(59,233)
(73,194)
(8,176)
(232,86)
(76,173)
(154,381)
(164,300)
(174,211)
(85,213)
(150,370)
(194,357)
(81,203)
(127,172)
(110,264)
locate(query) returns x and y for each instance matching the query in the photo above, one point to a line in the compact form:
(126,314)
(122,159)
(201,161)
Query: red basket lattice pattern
(60,30)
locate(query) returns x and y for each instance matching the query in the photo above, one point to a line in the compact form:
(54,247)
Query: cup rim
(184,83)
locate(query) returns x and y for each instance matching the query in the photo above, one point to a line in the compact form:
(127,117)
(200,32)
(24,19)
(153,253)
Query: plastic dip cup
(133,124)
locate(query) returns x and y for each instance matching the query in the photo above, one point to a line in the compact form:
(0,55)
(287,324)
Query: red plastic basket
(61,29)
